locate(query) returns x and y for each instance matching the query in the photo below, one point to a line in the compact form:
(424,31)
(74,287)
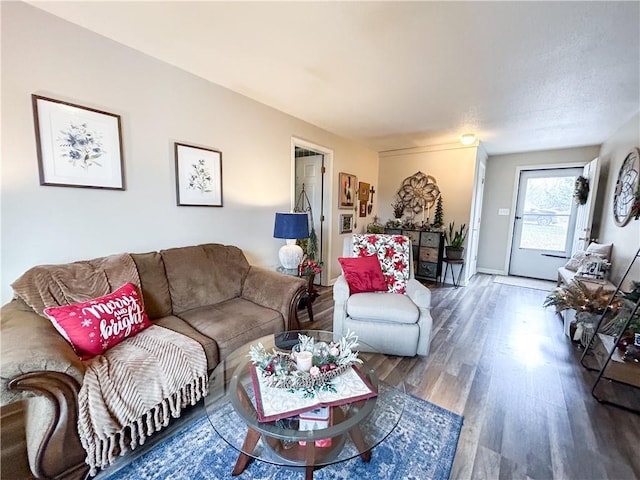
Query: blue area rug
(421,447)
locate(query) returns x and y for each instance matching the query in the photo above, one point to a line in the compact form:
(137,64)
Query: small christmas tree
(438,215)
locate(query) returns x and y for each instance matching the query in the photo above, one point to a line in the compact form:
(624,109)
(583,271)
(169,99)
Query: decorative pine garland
(329,361)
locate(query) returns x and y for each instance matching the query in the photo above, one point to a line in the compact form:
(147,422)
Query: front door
(584,216)
(544,222)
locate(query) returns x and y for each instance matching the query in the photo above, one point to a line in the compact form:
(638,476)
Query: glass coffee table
(355,428)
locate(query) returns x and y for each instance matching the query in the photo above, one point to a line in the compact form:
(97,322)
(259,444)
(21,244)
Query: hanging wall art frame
(346,222)
(198,176)
(347,189)
(77,146)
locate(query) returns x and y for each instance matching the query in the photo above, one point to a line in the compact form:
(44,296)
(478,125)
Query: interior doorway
(545,220)
(310,194)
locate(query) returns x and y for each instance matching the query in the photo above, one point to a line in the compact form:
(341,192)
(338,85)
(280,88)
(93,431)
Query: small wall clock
(624,196)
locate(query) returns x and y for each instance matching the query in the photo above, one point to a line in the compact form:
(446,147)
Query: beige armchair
(392,323)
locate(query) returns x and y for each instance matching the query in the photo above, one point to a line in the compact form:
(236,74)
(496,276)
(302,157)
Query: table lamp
(291,226)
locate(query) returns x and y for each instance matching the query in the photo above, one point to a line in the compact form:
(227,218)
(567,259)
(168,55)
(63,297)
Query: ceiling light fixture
(467,138)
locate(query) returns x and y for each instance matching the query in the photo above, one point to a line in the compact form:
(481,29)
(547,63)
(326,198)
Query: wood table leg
(310,459)
(358,440)
(309,309)
(250,442)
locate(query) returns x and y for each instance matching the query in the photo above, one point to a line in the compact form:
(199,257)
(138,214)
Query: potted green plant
(455,241)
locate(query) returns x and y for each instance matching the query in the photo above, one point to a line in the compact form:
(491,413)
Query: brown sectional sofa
(208,292)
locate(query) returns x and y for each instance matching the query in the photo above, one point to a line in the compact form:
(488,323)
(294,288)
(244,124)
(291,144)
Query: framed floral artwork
(347,188)
(346,222)
(198,176)
(77,146)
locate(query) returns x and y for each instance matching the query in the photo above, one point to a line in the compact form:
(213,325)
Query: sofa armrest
(31,346)
(37,362)
(276,291)
(419,294)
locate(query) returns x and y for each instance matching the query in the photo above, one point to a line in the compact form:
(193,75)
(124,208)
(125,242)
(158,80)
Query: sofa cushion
(154,284)
(234,323)
(203,275)
(209,346)
(99,324)
(595,267)
(363,274)
(603,249)
(382,307)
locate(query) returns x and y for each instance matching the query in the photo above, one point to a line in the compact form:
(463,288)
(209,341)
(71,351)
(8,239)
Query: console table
(428,252)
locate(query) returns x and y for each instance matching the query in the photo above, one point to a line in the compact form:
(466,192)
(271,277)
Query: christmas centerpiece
(310,365)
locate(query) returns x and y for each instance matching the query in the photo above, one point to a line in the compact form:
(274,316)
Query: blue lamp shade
(291,226)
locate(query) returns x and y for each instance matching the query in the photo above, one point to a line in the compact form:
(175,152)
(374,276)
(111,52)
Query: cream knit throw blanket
(133,389)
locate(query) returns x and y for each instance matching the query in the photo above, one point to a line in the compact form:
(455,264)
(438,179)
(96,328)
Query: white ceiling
(522,75)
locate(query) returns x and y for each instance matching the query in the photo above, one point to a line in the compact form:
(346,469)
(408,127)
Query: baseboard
(491,271)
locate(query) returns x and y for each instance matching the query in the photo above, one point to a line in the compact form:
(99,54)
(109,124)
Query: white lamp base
(290,255)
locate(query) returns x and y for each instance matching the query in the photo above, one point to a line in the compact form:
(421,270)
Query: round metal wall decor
(627,185)
(418,192)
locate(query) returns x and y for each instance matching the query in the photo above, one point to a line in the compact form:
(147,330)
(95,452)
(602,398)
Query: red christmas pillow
(95,326)
(363,274)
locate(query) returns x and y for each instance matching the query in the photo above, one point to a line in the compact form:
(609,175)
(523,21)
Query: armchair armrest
(340,290)
(276,291)
(419,294)
(340,296)
(32,346)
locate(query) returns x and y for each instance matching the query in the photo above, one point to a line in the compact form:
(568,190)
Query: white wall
(626,240)
(500,184)
(159,105)
(453,167)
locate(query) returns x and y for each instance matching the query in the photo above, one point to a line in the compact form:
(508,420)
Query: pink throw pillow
(363,274)
(95,326)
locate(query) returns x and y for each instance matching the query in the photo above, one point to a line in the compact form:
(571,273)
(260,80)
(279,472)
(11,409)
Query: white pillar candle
(304,361)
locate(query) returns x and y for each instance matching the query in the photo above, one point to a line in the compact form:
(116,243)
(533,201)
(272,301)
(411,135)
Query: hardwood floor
(500,360)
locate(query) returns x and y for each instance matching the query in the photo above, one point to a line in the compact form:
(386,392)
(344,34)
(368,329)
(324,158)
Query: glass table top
(355,427)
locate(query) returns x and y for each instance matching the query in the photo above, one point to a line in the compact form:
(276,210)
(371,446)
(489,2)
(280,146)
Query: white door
(309,173)
(475,222)
(544,222)
(584,215)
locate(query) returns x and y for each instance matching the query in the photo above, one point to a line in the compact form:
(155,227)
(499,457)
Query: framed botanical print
(77,146)
(198,176)
(347,188)
(346,222)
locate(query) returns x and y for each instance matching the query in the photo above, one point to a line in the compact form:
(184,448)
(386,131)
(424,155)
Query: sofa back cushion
(203,275)
(154,284)
(57,285)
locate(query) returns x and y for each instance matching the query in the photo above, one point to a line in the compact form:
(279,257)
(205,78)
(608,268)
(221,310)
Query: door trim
(514,199)
(327,195)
